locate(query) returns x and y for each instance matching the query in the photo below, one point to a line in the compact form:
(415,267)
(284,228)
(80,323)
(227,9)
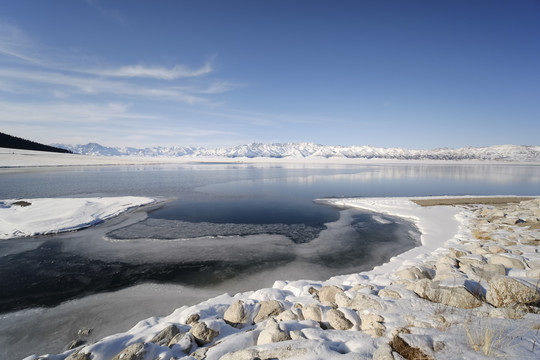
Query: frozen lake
(221,228)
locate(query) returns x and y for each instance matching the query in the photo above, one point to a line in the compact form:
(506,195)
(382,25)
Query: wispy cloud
(156,72)
(56,94)
(54,113)
(15,44)
(111,14)
(46,67)
(76,85)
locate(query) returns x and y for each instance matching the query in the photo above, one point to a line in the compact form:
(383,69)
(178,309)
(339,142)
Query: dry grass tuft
(488,340)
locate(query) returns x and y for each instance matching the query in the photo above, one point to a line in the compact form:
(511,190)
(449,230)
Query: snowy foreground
(20,218)
(470,291)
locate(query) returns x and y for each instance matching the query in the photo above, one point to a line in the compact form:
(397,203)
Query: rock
(486,272)
(476,260)
(383,352)
(413,273)
(342,300)
(480,251)
(496,249)
(507,292)
(507,261)
(287,315)
(272,334)
(438,346)
(268,308)
(165,335)
(389,293)
(132,352)
(75,344)
(199,354)
(273,352)
(337,320)
(184,342)
(236,314)
(406,350)
(366,302)
(456,254)
(22,203)
(534,264)
(193,319)
(372,324)
(312,312)
(77,355)
(328,293)
(85,332)
(203,334)
(313,291)
(446,264)
(457,296)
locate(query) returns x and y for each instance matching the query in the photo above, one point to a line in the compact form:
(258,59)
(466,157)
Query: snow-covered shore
(28,217)
(467,292)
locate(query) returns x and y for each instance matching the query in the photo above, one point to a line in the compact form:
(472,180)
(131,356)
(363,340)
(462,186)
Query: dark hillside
(13,142)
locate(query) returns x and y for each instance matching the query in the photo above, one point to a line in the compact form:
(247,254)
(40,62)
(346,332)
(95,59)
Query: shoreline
(431,300)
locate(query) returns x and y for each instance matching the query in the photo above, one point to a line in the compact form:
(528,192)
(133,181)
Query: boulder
(496,249)
(272,334)
(77,355)
(486,272)
(507,292)
(185,342)
(135,351)
(342,300)
(366,302)
(193,318)
(165,336)
(337,320)
(456,254)
(413,273)
(75,344)
(507,261)
(456,296)
(446,264)
(389,293)
(476,260)
(203,334)
(312,312)
(268,308)
(236,314)
(288,315)
(372,324)
(328,293)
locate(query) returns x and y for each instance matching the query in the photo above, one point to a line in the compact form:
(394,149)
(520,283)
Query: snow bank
(28,217)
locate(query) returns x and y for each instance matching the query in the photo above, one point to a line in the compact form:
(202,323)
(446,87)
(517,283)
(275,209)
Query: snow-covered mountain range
(305,150)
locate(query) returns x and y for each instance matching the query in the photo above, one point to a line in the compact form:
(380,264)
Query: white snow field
(467,292)
(28,217)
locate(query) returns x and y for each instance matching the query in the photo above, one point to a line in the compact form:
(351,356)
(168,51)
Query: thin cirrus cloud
(155,72)
(56,68)
(77,85)
(21,113)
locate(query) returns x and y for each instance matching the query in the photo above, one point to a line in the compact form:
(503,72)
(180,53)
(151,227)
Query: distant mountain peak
(519,153)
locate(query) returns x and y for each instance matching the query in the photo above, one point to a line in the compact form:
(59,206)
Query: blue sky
(415,74)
